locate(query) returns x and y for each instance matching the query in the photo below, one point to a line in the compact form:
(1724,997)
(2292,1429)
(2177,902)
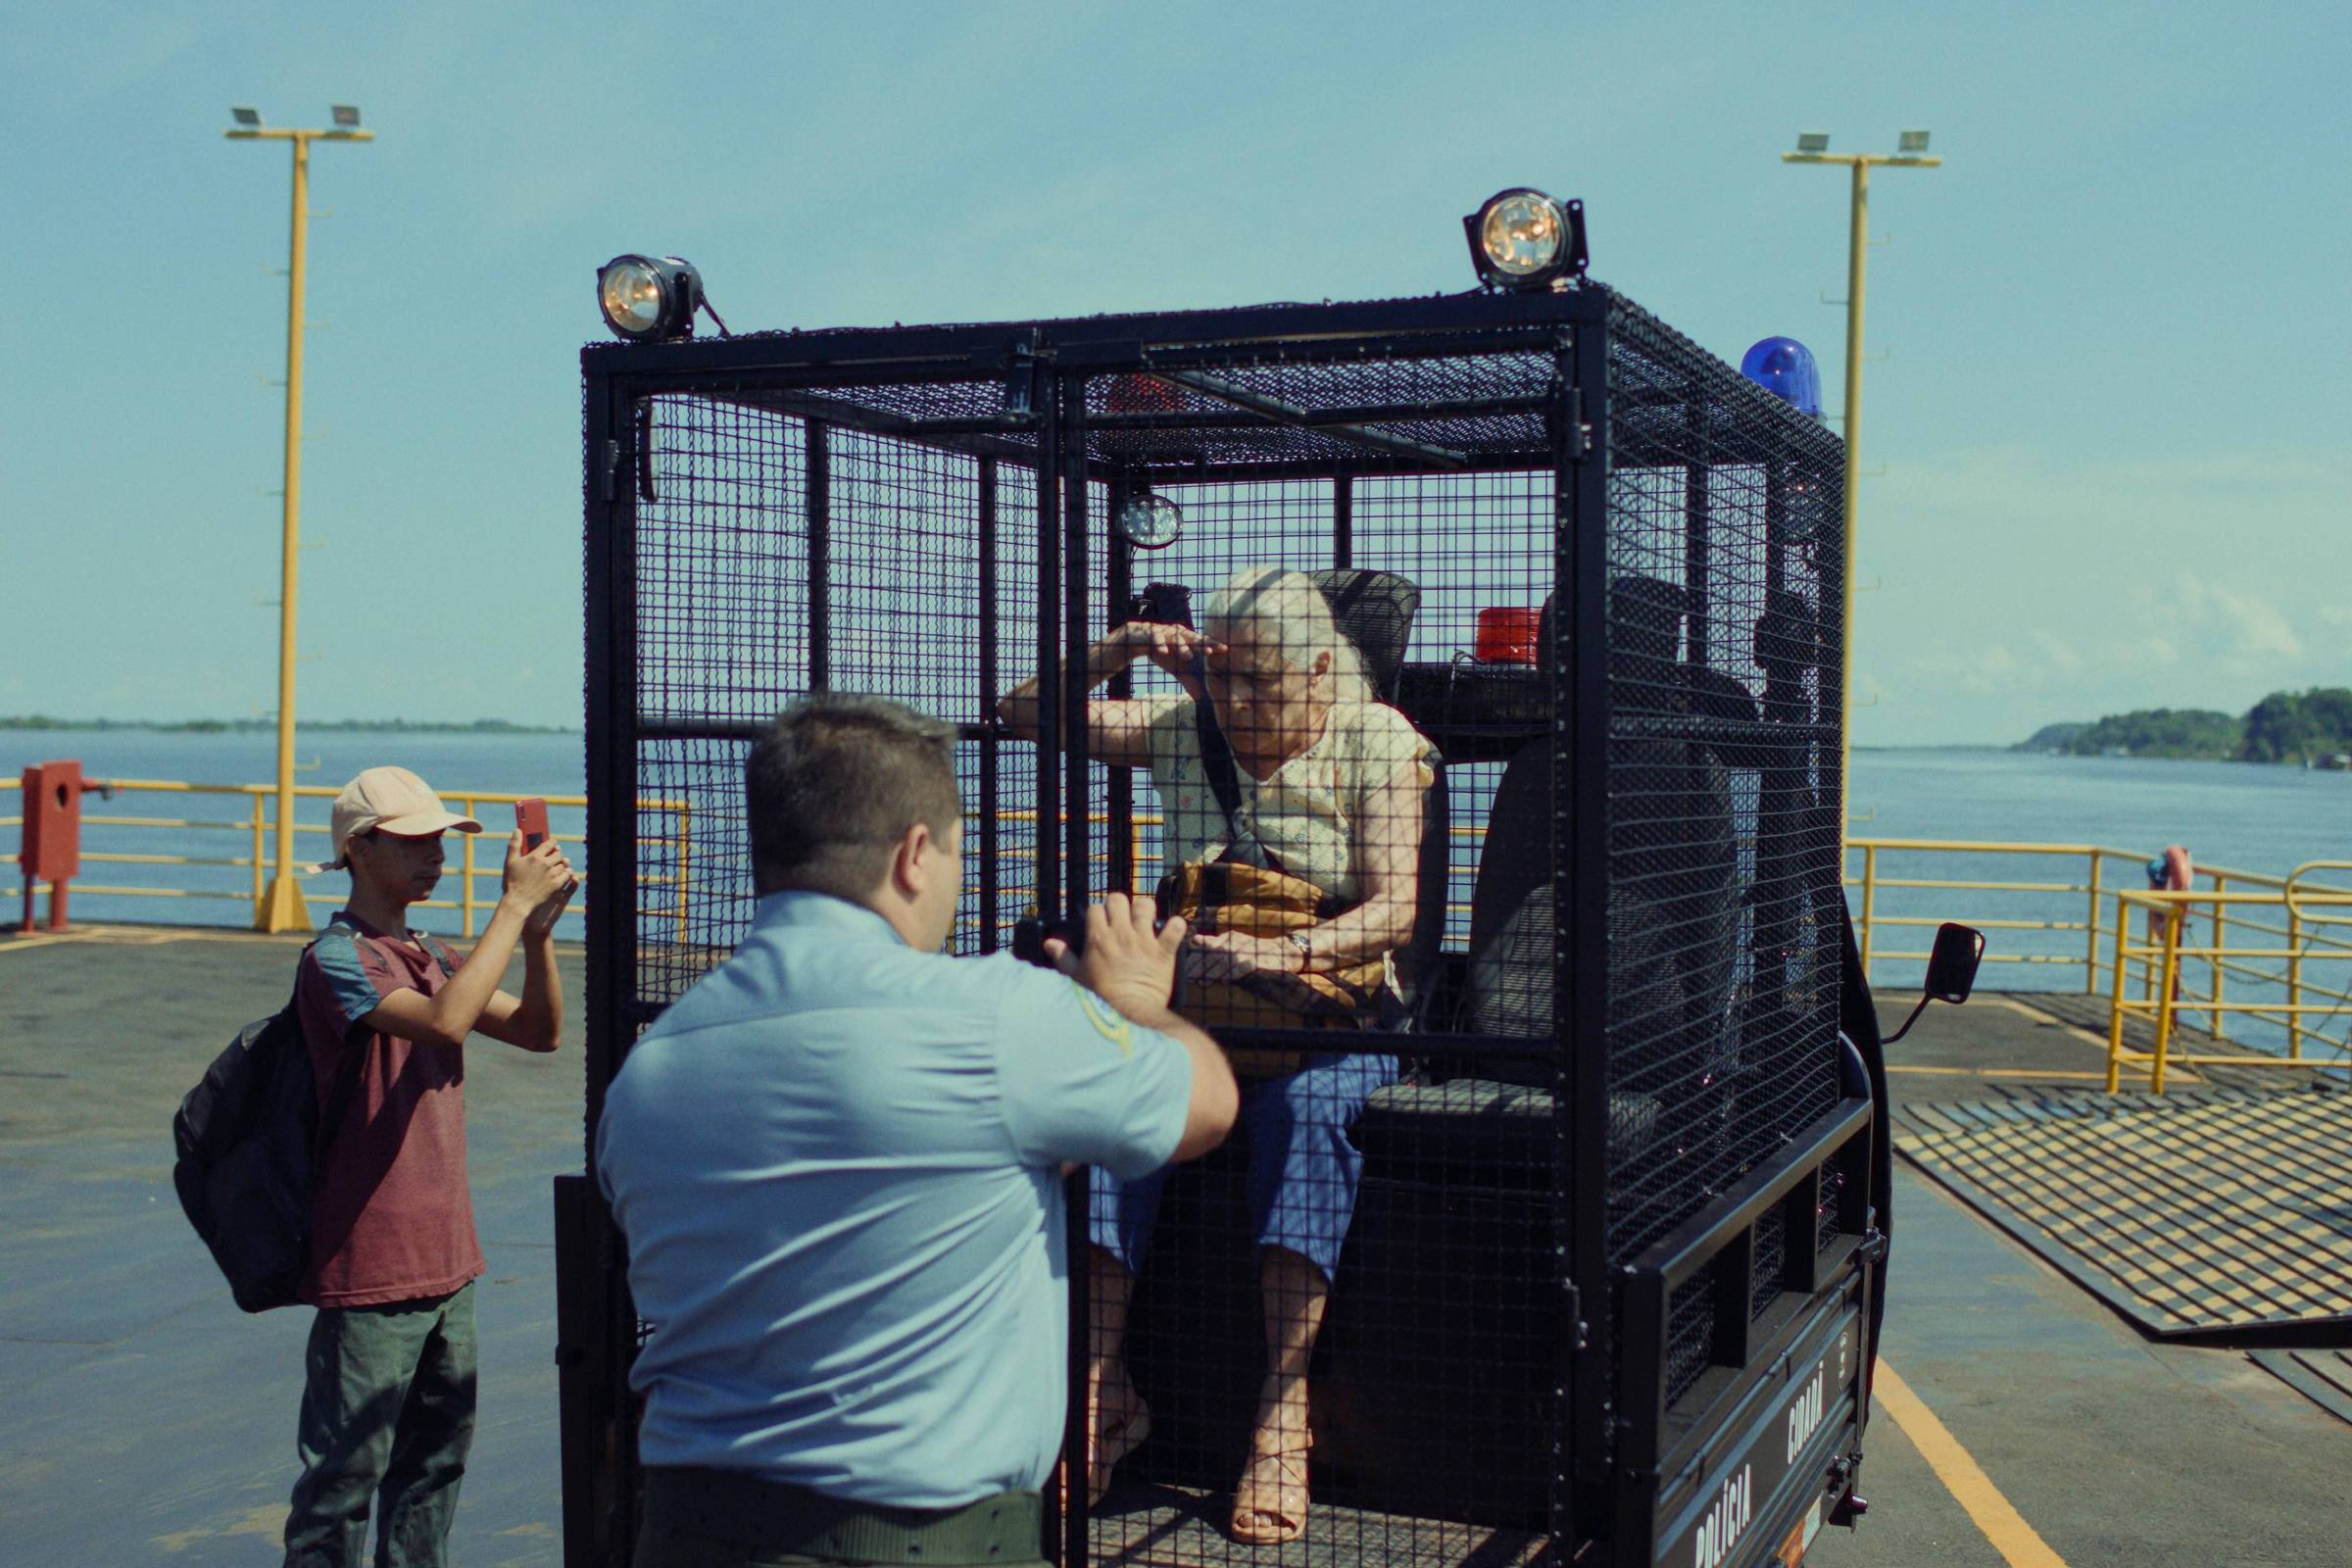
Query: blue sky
(2113,417)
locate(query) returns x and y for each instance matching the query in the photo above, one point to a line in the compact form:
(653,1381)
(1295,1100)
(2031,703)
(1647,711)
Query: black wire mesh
(1363,1298)
(1723,610)
(1356,1300)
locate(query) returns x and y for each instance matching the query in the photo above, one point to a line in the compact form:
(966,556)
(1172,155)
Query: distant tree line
(2284,727)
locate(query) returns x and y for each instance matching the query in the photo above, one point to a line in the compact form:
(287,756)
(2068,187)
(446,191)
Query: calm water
(2259,818)
(520,764)
(2241,816)
(2250,818)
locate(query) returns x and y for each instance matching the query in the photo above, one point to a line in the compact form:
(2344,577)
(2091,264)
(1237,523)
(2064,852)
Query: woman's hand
(1172,648)
(1231,956)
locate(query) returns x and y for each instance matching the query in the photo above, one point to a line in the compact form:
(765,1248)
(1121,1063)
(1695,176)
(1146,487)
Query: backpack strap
(441,952)
(345,1088)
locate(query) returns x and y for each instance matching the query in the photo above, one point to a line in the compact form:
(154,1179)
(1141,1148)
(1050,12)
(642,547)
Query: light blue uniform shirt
(836,1161)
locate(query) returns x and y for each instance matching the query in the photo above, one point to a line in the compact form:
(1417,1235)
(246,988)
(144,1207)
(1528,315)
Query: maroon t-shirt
(391,1217)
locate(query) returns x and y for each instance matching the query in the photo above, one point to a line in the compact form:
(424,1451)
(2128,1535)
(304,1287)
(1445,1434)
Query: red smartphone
(530,819)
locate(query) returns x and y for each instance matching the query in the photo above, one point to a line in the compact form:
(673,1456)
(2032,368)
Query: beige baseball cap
(392,799)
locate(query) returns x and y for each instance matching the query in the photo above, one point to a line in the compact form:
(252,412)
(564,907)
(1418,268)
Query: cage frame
(1623,1463)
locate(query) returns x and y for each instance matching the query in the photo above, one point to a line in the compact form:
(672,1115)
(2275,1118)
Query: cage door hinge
(1575,441)
(613,457)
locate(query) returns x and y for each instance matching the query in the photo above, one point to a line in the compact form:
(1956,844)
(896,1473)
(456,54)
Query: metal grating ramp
(2325,1375)
(1145,1526)
(2202,1213)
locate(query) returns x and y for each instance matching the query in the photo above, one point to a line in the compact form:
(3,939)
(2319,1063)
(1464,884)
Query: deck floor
(143,1420)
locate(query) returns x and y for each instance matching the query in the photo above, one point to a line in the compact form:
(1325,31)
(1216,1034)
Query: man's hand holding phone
(538,875)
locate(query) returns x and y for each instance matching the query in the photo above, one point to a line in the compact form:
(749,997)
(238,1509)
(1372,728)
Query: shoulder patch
(1108,1021)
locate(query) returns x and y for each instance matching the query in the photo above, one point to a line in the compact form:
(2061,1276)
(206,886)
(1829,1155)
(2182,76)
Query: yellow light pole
(1812,147)
(281,906)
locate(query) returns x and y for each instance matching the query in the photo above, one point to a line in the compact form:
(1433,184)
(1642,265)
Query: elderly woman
(1291,767)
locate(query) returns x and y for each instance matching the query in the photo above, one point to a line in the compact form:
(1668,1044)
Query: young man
(838,1162)
(387,1411)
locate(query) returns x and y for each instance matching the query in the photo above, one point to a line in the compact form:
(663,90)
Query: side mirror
(1953,965)
(1951,972)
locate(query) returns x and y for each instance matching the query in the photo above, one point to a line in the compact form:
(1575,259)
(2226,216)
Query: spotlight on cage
(1149,521)
(652,299)
(1523,239)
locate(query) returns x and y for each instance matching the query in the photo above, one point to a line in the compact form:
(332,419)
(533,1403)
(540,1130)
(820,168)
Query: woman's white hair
(1284,612)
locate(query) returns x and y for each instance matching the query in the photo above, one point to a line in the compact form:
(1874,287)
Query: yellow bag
(1232,896)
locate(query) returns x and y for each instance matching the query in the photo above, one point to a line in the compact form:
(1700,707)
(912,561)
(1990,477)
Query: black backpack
(249,1137)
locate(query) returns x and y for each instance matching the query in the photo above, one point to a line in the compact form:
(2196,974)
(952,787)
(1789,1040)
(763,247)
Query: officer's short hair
(836,782)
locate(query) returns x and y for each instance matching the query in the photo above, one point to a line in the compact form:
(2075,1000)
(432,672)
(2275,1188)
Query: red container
(1508,635)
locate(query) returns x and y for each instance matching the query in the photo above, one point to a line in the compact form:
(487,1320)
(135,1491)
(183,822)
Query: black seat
(1376,609)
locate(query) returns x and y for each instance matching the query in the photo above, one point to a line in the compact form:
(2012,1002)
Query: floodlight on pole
(1812,147)
(281,906)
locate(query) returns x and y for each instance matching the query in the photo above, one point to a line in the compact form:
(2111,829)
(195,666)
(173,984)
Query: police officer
(837,1160)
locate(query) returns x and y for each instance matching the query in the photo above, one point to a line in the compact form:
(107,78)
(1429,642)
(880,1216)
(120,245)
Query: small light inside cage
(1150,522)
(649,297)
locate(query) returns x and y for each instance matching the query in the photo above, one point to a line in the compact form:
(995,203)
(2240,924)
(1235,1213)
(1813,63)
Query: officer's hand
(1126,963)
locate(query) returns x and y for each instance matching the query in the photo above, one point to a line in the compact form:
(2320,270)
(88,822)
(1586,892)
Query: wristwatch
(1306,949)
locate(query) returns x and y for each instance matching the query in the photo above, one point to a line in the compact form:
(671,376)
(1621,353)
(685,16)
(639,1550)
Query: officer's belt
(778,1517)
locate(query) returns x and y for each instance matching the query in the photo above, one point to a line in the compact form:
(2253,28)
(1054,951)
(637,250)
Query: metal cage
(1616,1207)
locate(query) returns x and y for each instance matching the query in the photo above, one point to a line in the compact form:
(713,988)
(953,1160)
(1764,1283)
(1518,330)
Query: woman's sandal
(1281,1476)
(1112,1444)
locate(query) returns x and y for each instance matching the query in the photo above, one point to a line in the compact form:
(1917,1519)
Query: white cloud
(2237,629)
(2059,654)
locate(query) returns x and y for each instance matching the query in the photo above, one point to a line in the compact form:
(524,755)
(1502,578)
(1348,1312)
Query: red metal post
(49,849)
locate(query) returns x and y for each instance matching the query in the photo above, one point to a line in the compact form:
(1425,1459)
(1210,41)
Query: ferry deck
(2020,1419)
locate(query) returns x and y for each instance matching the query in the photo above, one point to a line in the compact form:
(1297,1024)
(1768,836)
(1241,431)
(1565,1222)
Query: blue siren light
(1785,367)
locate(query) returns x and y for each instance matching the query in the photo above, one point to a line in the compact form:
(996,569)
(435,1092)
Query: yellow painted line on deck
(2015,1540)
(21,944)
(2002,1072)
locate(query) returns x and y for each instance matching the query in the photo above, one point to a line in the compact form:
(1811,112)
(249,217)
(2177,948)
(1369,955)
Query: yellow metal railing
(258,821)
(2268,935)
(2272,937)
(2307,906)
(2091,885)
